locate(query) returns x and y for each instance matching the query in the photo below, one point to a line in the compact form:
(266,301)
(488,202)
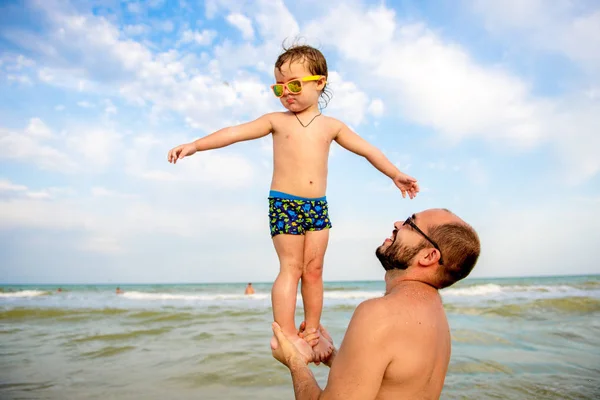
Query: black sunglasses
(410,222)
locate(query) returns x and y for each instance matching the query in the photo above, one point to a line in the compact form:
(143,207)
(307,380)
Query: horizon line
(270,282)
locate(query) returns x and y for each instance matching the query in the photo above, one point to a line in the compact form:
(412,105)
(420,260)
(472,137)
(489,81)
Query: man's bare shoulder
(389,308)
(371,311)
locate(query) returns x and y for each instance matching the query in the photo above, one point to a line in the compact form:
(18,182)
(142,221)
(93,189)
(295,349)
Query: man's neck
(396,278)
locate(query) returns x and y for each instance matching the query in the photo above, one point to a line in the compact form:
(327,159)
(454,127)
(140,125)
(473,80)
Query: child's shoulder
(278,114)
(333,123)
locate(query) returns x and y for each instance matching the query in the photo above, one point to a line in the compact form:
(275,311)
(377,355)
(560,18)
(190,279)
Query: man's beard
(397,255)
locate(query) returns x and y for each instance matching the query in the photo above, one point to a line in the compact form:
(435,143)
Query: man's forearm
(305,384)
(381,162)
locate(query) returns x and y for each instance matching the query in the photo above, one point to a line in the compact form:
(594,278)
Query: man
(249,289)
(396,346)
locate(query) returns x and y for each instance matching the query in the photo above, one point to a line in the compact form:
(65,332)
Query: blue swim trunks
(296,215)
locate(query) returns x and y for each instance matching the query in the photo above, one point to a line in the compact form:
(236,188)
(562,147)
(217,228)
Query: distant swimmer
(396,346)
(59,290)
(249,289)
(119,291)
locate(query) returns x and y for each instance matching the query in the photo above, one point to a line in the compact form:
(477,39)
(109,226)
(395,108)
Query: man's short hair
(460,247)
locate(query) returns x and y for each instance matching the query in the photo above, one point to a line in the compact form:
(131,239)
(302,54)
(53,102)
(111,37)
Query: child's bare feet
(322,350)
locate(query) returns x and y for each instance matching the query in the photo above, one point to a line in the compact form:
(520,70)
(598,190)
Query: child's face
(311,90)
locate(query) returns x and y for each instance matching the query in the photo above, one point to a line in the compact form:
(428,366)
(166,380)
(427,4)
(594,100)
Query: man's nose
(398,224)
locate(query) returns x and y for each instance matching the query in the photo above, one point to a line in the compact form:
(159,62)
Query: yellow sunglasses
(294,86)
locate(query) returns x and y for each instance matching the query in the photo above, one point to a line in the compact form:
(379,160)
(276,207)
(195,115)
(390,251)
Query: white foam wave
(24,293)
(352,295)
(193,297)
(491,289)
(477,290)
(336,295)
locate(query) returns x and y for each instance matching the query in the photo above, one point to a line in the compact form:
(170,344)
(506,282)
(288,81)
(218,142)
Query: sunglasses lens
(295,86)
(278,90)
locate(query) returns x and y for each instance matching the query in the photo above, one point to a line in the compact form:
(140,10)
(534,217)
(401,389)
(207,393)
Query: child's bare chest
(294,135)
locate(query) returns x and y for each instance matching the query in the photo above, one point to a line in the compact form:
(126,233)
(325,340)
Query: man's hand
(406,184)
(285,352)
(177,153)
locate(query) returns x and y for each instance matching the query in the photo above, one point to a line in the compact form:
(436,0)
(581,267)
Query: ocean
(517,338)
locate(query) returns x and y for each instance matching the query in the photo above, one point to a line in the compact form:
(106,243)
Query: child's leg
(290,250)
(315,245)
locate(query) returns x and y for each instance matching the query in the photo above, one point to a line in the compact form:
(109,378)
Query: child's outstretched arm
(223,137)
(354,143)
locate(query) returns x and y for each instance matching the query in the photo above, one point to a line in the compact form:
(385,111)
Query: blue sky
(493,105)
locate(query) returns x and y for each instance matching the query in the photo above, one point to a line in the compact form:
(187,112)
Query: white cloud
(22,79)
(92,43)
(203,38)
(15,62)
(226,169)
(98,191)
(8,186)
(243,23)
(31,146)
(136,30)
(274,20)
(561,26)
(349,103)
(96,146)
(156,3)
(135,7)
(436,83)
(108,221)
(37,128)
(59,107)
(507,245)
(16,68)
(476,172)
(9,189)
(376,108)
(109,107)
(165,26)
(85,104)
(102,244)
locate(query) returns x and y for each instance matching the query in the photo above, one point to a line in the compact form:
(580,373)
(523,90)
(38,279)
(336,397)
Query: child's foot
(322,350)
(303,348)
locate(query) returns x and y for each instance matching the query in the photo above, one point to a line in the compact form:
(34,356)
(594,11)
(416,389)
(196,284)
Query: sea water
(518,338)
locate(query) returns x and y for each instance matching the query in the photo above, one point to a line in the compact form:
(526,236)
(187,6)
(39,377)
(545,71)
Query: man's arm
(359,364)
(233,134)
(363,356)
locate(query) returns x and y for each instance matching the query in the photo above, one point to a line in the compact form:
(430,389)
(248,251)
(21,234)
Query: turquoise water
(518,338)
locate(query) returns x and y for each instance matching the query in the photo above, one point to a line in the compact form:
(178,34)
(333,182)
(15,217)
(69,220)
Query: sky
(494,106)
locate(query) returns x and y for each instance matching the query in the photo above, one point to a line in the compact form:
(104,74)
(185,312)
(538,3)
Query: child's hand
(406,184)
(184,150)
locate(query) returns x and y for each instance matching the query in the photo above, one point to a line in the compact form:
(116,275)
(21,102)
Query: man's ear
(428,257)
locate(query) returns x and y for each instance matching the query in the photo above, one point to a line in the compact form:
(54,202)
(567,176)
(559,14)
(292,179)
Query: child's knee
(294,268)
(313,270)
